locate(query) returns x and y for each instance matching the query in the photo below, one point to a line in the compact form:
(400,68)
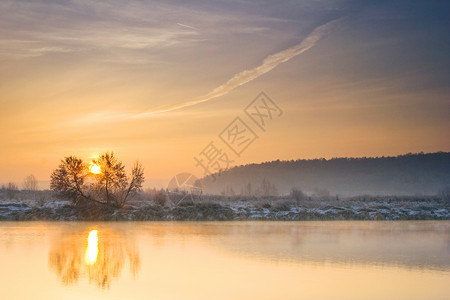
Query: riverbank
(386,208)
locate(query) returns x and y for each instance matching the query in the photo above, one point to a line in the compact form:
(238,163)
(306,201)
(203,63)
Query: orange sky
(81,78)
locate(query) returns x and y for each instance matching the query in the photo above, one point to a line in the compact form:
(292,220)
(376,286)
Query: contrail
(269,63)
(187,26)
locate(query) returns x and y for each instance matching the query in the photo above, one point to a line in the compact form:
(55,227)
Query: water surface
(235,260)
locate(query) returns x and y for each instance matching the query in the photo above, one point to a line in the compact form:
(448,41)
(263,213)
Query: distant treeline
(409,174)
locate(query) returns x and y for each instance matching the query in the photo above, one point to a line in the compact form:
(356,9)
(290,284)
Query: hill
(409,174)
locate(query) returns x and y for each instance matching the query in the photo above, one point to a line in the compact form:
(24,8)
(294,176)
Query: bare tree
(267,189)
(69,177)
(248,189)
(30,183)
(109,186)
(11,190)
(113,179)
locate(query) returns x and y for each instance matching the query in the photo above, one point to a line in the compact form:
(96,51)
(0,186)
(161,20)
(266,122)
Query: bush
(266,205)
(160,198)
(11,190)
(298,195)
(283,205)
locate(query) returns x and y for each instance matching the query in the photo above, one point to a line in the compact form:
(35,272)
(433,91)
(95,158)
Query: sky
(159,81)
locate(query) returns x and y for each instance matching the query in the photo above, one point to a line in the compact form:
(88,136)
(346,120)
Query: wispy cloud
(30,29)
(82,40)
(243,77)
(28,48)
(116,29)
(187,26)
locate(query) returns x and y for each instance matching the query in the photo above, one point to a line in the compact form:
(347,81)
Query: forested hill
(410,174)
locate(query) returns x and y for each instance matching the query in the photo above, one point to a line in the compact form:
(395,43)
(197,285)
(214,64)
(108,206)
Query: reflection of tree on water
(98,255)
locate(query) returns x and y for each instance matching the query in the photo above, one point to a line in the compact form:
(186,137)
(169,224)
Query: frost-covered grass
(47,206)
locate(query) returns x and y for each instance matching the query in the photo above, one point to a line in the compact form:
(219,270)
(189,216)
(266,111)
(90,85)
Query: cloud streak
(187,26)
(241,78)
(269,63)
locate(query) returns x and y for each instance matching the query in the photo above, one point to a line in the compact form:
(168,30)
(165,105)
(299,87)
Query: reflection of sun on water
(98,255)
(92,247)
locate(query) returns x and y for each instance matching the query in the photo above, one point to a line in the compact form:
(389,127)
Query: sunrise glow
(181,149)
(92,247)
(95,169)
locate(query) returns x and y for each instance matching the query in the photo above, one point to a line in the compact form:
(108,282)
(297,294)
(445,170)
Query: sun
(94,169)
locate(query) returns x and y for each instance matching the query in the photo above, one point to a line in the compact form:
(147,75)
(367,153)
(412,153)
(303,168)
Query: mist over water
(245,260)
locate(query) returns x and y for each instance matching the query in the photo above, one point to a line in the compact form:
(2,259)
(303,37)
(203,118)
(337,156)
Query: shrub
(160,198)
(298,195)
(283,205)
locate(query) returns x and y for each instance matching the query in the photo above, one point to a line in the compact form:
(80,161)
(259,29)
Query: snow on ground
(238,208)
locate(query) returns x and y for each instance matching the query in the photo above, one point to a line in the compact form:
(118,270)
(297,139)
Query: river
(225,260)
